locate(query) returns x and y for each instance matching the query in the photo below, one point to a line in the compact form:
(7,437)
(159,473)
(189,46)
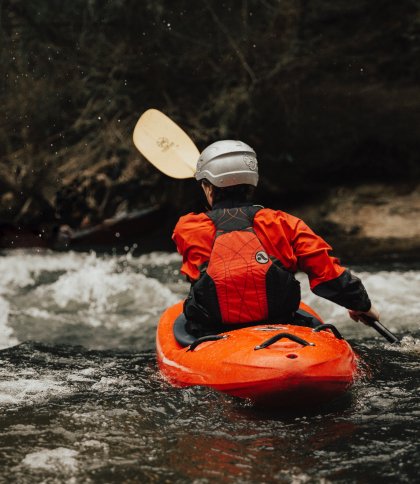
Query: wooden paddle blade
(165,145)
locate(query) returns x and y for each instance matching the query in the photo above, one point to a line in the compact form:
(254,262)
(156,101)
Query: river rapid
(81,399)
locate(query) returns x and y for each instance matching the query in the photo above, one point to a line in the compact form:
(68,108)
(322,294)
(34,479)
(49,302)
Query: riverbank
(370,221)
(367,222)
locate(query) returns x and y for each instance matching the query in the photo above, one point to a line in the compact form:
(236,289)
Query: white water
(60,459)
(105,302)
(69,414)
(51,296)
(43,296)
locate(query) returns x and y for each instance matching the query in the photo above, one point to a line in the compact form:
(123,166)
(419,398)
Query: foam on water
(19,391)
(48,292)
(159,258)
(6,333)
(60,459)
(395,293)
(410,344)
(45,294)
(21,268)
(74,414)
(100,285)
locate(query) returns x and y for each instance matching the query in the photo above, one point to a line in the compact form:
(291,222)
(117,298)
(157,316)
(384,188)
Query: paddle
(380,328)
(165,145)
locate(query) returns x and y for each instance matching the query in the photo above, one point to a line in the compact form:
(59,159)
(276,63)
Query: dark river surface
(81,399)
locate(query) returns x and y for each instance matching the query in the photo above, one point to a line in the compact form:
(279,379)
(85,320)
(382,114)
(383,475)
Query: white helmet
(227,163)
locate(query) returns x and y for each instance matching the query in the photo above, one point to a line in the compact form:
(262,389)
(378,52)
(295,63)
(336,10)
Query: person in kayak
(241,258)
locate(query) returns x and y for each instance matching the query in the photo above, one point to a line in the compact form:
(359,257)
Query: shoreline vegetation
(327,93)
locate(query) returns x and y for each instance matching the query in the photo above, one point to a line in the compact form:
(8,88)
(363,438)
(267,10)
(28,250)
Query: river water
(81,399)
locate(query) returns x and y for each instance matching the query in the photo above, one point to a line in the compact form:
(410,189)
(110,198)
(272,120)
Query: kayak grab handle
(323,327)
(203,339)
(276,337)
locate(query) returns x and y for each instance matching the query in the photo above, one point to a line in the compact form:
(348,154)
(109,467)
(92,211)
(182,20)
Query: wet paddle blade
(165,145)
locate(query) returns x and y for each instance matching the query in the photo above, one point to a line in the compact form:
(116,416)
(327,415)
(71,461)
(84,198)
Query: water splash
(60,297)
(53,460)
(18,391)
(71,414)
(395,293)
(6,333)
(409,344)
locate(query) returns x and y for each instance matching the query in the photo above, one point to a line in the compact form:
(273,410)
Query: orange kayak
(272,364)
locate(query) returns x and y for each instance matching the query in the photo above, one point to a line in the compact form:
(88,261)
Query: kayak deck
(300,364)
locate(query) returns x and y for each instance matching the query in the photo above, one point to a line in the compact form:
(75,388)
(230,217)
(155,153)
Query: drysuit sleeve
(346,290)
(328,279)
(193,236)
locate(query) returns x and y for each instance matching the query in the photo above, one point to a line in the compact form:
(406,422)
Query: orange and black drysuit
(289,244)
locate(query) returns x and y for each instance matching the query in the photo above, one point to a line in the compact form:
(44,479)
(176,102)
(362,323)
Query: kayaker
(241,258)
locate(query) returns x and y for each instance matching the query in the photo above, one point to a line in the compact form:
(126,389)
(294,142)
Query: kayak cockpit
(185,338)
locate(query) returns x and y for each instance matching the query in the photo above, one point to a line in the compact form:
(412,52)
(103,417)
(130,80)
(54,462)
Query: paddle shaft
(380,328)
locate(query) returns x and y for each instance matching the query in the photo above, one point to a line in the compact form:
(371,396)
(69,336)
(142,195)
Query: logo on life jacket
(261,257)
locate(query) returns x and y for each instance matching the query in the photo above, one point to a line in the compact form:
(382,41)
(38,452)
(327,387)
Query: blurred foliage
(326,91)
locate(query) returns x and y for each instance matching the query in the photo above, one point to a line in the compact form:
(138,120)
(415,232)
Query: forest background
(326,91)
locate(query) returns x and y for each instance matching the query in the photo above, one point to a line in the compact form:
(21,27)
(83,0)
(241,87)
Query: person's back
(240,258)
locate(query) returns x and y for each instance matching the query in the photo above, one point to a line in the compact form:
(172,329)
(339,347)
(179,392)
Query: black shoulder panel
(230,219)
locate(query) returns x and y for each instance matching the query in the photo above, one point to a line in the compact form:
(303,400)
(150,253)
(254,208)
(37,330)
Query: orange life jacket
(241,283)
